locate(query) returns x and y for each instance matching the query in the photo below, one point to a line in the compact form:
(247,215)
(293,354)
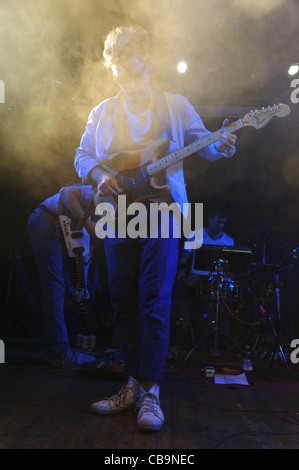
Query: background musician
(51,259)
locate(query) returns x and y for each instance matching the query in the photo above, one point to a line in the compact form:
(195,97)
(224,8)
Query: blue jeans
(141,276)
(50,255)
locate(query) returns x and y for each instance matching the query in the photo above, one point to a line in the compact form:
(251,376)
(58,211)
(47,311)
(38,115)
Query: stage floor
(46,408)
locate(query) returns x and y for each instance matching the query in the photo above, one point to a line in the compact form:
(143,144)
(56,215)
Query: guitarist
(141,271)
(50,254)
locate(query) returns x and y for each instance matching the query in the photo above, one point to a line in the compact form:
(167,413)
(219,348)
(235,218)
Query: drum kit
(232,288)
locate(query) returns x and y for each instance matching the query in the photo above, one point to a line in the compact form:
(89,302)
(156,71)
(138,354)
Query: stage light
(182,66)
(294,68)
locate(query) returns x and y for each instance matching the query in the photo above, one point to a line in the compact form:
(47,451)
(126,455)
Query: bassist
(51,258)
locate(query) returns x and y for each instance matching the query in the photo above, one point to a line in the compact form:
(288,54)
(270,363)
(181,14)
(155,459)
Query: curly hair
(123,38)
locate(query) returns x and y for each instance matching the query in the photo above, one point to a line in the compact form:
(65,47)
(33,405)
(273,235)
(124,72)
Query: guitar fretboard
(178,155)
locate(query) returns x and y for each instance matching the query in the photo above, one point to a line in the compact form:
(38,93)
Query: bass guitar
(78,246)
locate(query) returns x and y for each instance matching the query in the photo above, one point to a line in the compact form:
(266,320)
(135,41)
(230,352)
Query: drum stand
(277,350)
(217,329)
(220,275)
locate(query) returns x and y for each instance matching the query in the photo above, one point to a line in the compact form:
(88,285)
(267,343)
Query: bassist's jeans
(141,277)
(50,254)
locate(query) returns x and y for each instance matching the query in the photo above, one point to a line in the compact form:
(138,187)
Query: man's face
(216,224)
(132,75)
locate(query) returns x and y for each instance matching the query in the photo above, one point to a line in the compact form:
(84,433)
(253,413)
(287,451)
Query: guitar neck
(178,155)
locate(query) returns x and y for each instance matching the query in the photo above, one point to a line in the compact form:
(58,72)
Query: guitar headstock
(261,117)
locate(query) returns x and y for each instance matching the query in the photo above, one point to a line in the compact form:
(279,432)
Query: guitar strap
(162,117)
(89,211)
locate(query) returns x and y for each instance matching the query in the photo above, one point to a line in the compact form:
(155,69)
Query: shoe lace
(148,403)
(120,396)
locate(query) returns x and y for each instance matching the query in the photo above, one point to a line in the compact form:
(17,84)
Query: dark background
(238,55)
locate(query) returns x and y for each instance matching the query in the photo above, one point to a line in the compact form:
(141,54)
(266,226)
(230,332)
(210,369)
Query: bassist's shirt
(54,203)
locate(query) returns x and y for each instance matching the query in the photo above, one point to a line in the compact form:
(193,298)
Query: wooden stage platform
(45,408)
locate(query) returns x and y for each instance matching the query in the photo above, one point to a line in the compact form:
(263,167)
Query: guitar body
(133,176)
(139,186)
(74,238)
(78,246)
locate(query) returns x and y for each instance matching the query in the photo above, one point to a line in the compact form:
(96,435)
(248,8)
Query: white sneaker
(125,399)
(150,416)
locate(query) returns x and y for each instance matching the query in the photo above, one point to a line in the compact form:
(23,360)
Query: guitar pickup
(77,235)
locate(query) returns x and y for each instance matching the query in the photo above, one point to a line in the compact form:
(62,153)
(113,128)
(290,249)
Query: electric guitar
(147,181)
